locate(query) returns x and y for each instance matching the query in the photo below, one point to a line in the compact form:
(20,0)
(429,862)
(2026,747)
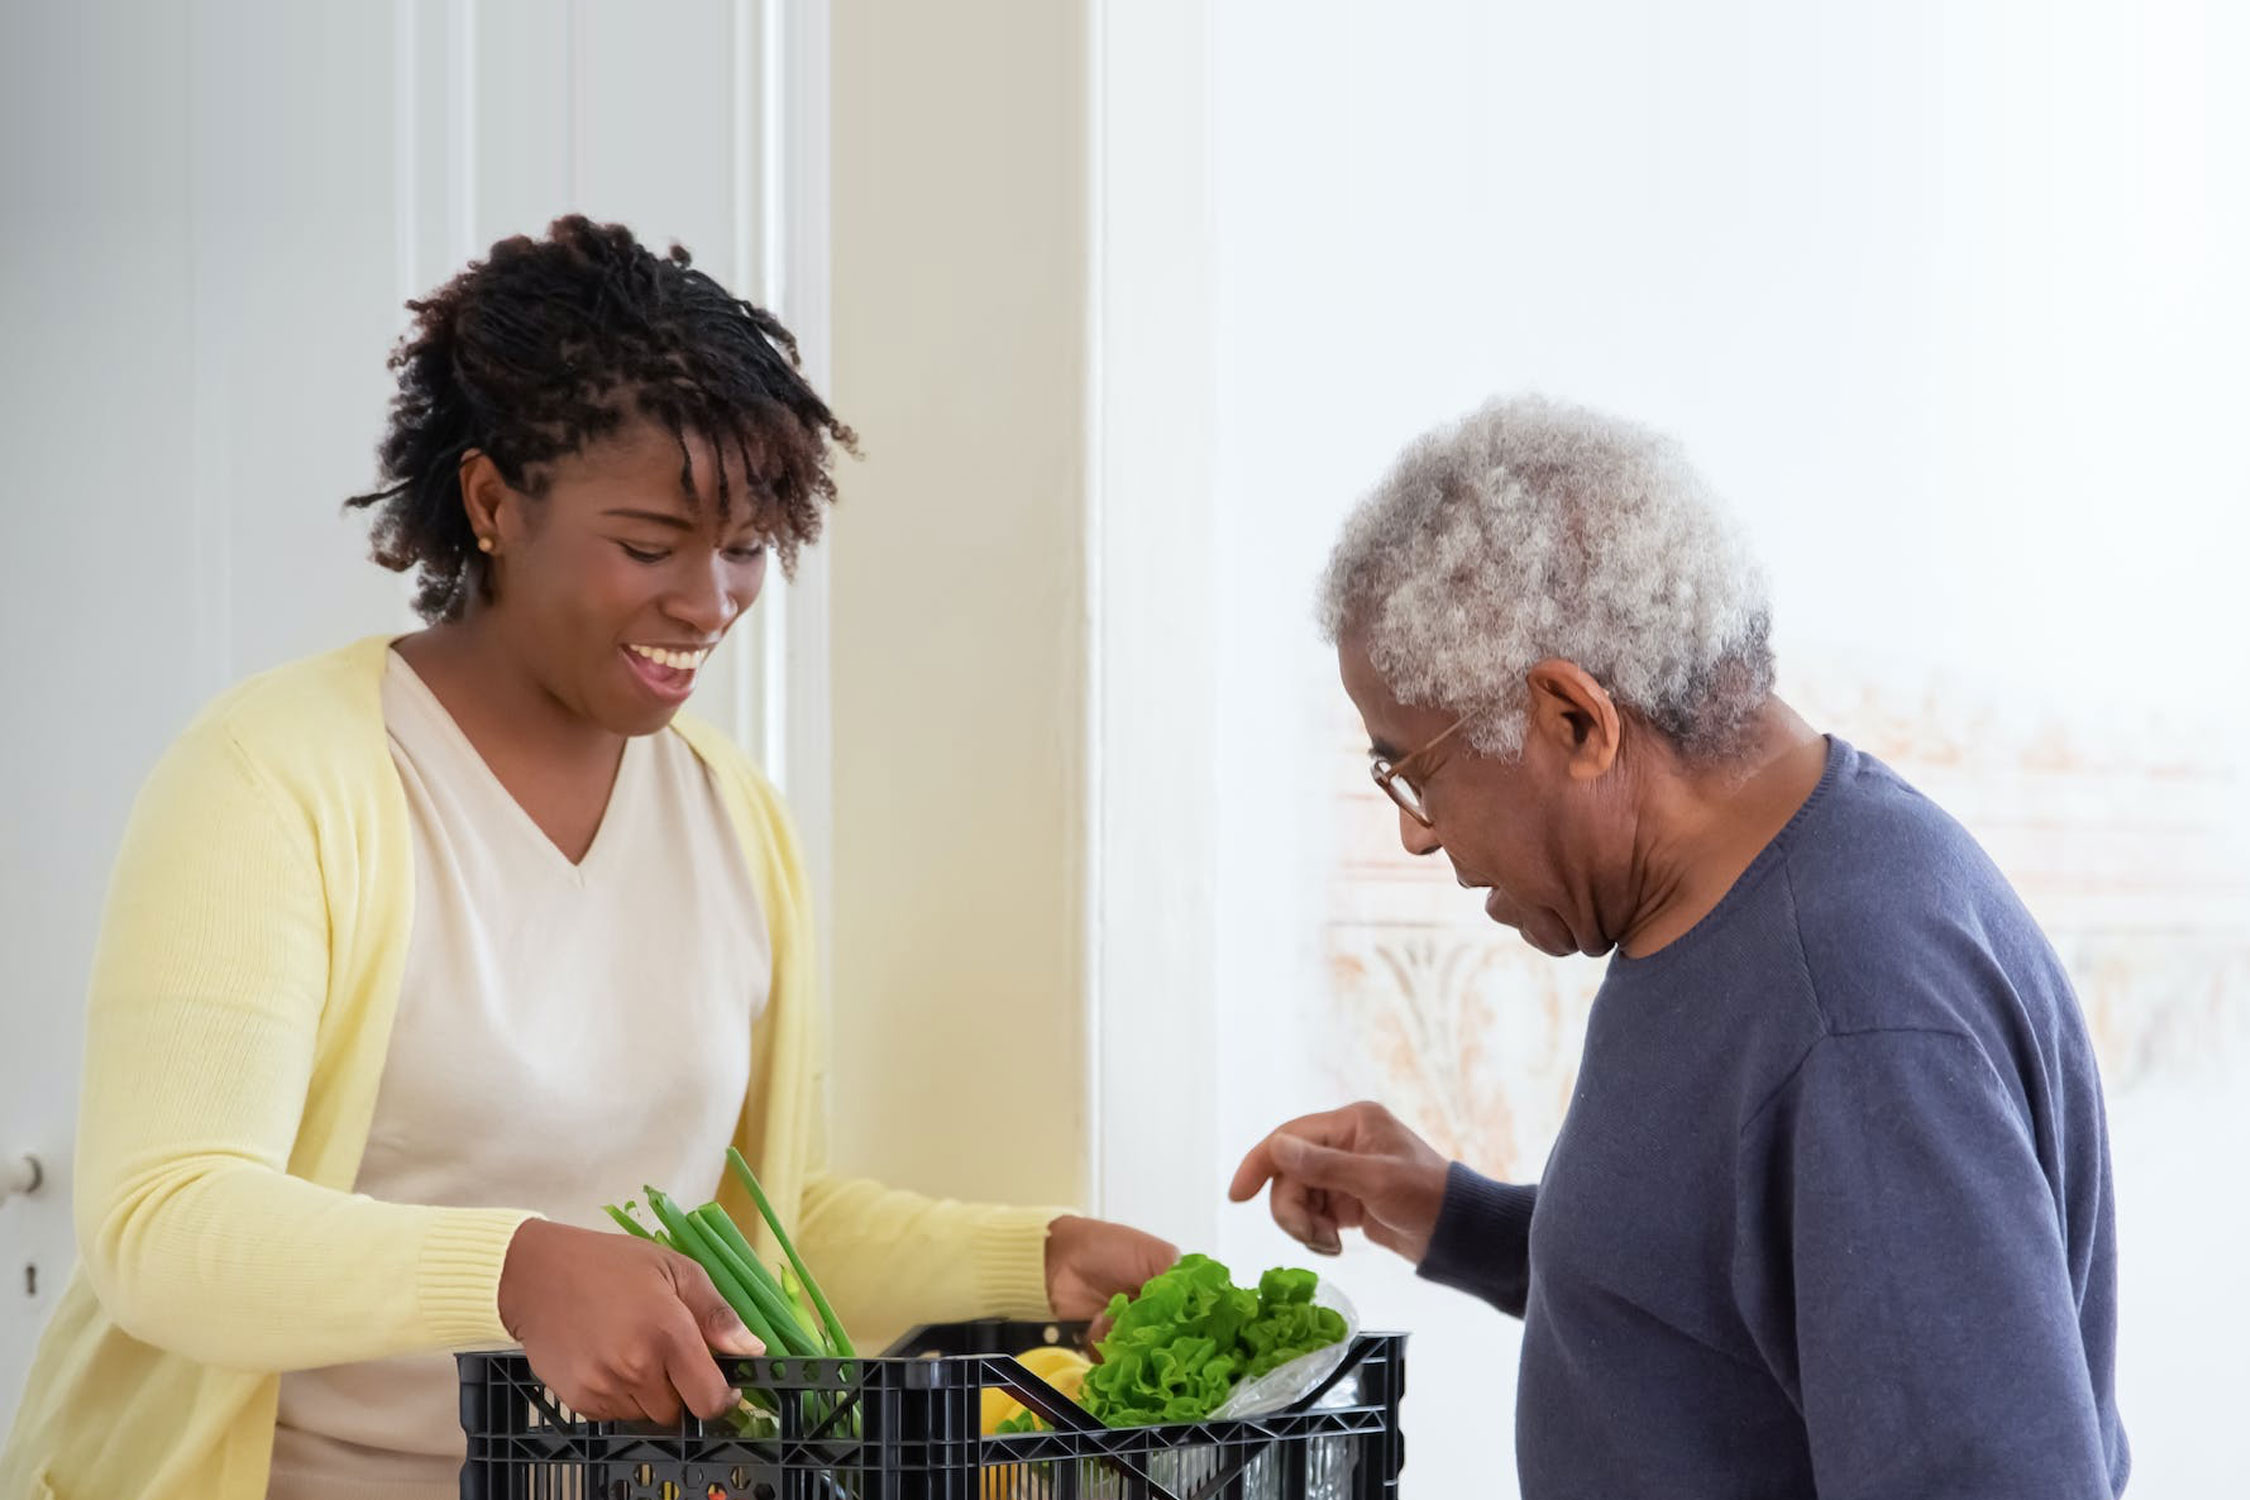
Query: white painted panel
(294,267)
(437,127)
(655,100)
(99,606)
(526,129)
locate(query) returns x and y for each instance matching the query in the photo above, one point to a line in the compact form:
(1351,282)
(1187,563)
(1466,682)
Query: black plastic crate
(905,1426)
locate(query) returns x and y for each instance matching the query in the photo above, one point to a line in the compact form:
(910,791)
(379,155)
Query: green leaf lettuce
(1178,1350)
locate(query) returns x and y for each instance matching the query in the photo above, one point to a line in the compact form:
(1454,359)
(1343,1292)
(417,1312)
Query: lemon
(998,1406)
(1064,1369)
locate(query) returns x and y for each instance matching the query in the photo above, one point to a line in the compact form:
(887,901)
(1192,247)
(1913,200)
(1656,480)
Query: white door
(210,218)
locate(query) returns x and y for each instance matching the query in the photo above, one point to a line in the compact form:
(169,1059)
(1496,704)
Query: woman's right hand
(619,1328)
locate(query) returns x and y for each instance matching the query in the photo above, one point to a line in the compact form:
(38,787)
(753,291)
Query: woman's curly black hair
(548,344)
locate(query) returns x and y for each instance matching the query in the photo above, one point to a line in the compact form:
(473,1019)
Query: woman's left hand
(1090,1260)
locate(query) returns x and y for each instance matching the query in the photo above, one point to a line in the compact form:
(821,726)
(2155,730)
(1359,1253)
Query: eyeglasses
(1398,785)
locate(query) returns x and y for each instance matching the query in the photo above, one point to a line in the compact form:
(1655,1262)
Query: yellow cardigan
(238,1022)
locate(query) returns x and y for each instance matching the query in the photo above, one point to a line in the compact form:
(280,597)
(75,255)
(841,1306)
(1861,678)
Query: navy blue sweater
(1830,1213)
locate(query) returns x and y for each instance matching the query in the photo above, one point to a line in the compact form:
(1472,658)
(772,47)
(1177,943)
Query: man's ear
(1575,715)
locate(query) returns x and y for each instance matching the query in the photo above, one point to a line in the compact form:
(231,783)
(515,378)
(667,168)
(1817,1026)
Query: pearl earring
(484,544)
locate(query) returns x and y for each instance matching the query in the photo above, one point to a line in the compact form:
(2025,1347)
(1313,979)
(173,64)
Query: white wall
(1948,299)
(213,217)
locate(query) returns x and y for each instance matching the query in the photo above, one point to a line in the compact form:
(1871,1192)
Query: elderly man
(1830,1213)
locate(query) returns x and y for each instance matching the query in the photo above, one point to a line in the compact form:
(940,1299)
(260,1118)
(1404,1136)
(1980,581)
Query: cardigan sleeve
(207,998)
(893,1258)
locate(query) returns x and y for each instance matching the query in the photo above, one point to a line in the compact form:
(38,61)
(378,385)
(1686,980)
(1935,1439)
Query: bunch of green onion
(773,1308)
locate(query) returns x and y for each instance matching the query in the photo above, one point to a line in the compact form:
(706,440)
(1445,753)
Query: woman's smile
(666,673)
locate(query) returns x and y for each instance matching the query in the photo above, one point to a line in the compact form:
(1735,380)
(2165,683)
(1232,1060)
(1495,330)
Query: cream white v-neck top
(565,1033)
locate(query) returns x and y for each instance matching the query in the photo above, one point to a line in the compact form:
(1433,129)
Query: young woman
(472,918)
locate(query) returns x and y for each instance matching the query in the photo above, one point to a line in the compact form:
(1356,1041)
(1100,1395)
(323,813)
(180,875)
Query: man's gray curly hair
(1534,529)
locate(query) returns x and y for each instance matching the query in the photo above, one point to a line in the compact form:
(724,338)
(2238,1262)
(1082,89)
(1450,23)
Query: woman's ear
(486,499)
(1575,715)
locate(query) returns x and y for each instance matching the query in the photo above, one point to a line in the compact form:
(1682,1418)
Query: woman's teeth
(679,661)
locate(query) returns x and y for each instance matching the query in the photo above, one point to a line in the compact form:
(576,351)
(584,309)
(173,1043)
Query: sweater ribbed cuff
(1482,1242)
(457,1280)
(1008,1256)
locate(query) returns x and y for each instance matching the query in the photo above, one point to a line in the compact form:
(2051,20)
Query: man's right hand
(1352,1168)
(619,1328)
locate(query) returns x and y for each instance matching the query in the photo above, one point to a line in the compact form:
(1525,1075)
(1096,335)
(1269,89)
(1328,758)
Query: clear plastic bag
(1283,1387)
